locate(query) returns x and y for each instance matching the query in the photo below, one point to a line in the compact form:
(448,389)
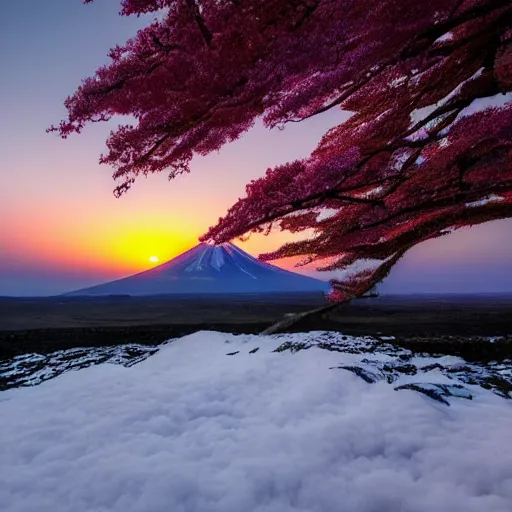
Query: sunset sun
(153,259)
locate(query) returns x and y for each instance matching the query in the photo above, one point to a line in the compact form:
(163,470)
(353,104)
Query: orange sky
(63,214)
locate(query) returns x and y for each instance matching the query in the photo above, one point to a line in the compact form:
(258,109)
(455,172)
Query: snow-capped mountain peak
(210,268)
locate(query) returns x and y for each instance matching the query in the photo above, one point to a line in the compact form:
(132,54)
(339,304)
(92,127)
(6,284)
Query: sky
(61,227)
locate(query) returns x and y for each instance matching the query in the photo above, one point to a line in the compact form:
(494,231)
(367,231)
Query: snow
(492,198)
(448,36)
(326,213)
(217,258)
(371,193)
(397,82)
(457,89)
(32,368)
(421,113)
(199,263)
(193,429)
(399,161)
(449,230)
(497,101)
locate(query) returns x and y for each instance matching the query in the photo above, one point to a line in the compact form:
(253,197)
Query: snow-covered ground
(325,423)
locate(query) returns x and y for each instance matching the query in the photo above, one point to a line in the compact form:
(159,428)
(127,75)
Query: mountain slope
(209,269)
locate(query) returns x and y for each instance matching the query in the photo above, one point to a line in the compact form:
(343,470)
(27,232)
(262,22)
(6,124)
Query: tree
(428,147)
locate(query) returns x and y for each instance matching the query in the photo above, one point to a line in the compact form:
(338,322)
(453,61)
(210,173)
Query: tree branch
(205,32)
(120,83)
(425,39)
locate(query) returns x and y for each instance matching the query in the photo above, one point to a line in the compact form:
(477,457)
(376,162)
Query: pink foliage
(420,153)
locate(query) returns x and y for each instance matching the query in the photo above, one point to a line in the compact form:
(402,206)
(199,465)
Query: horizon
(400,285)
(62,228)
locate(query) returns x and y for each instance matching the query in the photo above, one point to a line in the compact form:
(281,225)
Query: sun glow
(153,259)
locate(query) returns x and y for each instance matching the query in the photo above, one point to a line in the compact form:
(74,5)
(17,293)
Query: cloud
(191,429)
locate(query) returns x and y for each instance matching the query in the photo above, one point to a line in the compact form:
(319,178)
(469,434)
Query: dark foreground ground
(47,324)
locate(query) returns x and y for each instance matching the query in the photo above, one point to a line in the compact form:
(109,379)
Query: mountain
(209,269)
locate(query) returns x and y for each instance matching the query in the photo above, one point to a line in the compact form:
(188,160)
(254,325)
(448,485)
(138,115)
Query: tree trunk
(290,320)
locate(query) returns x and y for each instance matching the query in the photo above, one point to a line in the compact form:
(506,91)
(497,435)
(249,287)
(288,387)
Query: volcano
(209,269)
